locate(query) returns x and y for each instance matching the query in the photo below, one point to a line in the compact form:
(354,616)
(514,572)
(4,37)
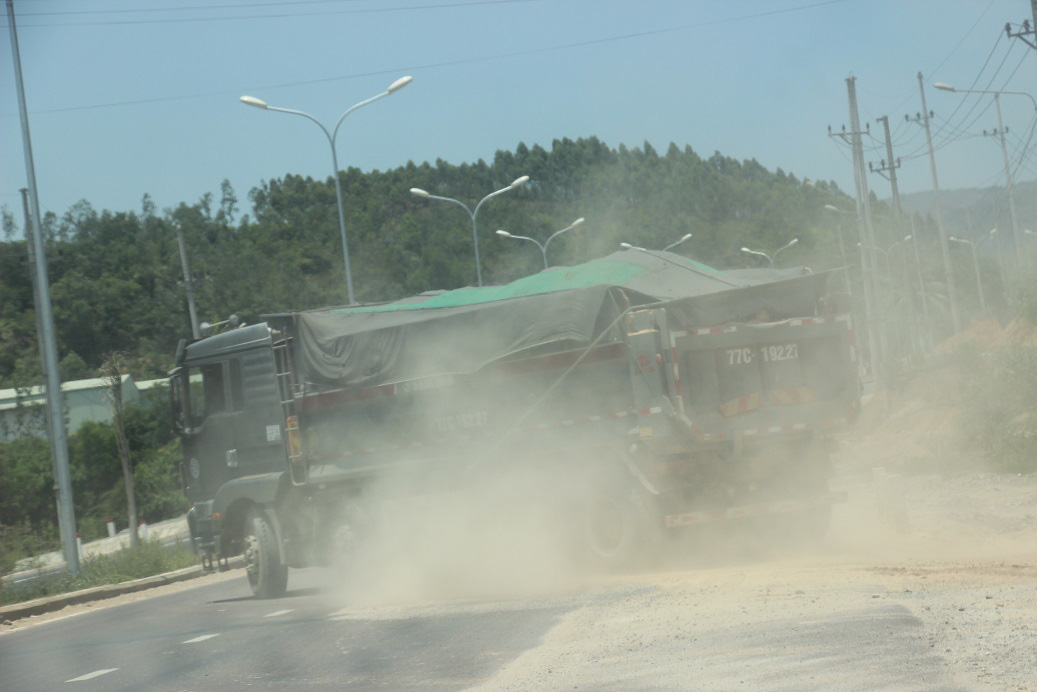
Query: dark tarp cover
(459,331)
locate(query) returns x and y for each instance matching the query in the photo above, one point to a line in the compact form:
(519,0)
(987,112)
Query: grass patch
(146,560)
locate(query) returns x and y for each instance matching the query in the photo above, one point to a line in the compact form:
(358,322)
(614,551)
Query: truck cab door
(207,434)
(258,416)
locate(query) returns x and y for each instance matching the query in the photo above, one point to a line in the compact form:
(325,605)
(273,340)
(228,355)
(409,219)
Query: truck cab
(227,411)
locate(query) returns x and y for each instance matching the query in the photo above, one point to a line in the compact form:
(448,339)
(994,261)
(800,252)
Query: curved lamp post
(543,247)
(517,182)
(628,246)
(771,258)
(686,236)
(258,103)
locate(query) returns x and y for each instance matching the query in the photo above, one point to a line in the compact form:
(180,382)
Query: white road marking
(200,639)
(95,674)
(278,612)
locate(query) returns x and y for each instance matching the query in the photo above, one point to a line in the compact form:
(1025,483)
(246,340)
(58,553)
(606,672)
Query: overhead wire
(461,61)
(285,15)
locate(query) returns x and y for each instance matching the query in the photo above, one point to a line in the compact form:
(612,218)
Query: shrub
(147,559)
(1001,401)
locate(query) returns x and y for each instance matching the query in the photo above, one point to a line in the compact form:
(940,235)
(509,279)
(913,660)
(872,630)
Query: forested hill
(117,283)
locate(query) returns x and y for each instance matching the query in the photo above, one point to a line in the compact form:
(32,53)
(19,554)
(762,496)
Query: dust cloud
(912,492)
(481,539)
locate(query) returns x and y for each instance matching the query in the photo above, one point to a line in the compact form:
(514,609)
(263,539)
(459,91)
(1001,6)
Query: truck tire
(615,530)
(267,575)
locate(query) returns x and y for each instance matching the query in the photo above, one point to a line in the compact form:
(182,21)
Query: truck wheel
(616,529)
(267,576)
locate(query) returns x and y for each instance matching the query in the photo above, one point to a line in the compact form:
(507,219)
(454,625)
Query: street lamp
(1004,152)
(517,182)
(628,246)
(394,87)
(839,230)
(771,258)
(975,265)
(543,247)
(686,236)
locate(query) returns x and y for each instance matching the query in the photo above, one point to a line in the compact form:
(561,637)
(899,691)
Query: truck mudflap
(707,516)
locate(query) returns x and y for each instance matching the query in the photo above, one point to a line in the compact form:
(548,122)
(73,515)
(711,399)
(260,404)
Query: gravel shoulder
(966,569)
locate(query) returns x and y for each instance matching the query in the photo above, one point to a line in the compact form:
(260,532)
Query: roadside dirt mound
(986,335)
(919,427)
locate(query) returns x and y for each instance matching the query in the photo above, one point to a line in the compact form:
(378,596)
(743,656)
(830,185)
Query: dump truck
(659,392)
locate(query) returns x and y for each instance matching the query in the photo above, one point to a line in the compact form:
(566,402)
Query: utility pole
(948,269)
(1016,242)
(869,260)
(921,285)
(188,284)
(890,165)
(1027,35)
(59,440)
(39,338)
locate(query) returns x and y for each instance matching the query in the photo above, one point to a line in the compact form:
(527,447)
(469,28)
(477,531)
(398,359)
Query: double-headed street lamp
(542,246)
(517,182)
(686,236)
(628,246)
(771,258)
(1016,243)
(258,103)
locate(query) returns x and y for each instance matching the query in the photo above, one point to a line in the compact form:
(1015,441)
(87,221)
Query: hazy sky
(127,97)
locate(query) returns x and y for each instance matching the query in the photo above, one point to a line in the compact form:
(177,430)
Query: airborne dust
(487,540)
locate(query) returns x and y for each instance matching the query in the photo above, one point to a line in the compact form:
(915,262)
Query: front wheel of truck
(267,576)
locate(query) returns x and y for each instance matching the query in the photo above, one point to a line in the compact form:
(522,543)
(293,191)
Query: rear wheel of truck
(267,576)
(615,529)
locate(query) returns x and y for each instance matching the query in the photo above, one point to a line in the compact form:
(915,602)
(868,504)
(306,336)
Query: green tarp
(459,331)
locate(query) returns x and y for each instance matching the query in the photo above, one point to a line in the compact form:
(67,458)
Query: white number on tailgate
(739,356)
(780,352)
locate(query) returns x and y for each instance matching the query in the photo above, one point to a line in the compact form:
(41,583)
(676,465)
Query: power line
(449,63)
(137,10)
(288,15)
(712,22)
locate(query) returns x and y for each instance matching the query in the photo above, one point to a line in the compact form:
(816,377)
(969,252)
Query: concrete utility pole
(928,331)
(948,269)
(39,338)
(869,260)
(891,165)
(188,283)
(59,439)
(1028,35)
(1016,242)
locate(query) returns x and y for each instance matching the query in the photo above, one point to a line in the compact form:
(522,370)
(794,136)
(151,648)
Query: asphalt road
(218,637)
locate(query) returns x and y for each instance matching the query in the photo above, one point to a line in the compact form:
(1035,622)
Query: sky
(133,97)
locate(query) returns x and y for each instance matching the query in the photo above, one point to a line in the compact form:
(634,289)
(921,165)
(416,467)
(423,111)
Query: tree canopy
(117,283)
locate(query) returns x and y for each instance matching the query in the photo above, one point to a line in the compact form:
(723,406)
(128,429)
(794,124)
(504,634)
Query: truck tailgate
(747,377)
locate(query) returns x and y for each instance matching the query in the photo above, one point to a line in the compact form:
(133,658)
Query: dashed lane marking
(200,639)
(95,674)
(278,612)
